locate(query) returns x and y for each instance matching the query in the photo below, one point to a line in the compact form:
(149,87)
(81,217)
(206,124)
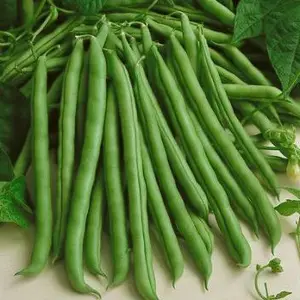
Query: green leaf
(9,13)
(289,208)
(6,167)
(282,295)
(14,120)
(282,29)
(12,203)
(248,20)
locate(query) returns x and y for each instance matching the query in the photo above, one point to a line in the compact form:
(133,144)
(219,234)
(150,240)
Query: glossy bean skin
(211,81)
(94,224)
(226,149)
(218,10)
(23,161)
(114,191)
(66,146)
(204,231)
(161,218)
(165,177)
(236,195)
(195,195)
(41,166)
(206,175)
(142,257)
(85,176)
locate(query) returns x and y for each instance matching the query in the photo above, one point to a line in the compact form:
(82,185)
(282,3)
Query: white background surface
(227,282)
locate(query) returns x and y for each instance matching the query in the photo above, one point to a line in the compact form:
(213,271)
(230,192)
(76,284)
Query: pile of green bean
(151,134)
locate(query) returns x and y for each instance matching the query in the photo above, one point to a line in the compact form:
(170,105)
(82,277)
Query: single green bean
(66,146)
(84,179)
(42,180)
(114,191)
(94,224)
(190,41)
(204,231)
(218,10)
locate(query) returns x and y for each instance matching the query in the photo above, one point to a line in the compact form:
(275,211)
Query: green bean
(81,106)
(228,77)
(195,194)
(41,165)
(168,184)
(223,62)
(161,218)
(226,149)
(218,10)
(85,176)
(94,223)
(245,66)
(114,192)
(103,33)
(220,101)
(237,197)
(144,277)
(194,15)
(206,175)
(135,48)
(190,41)
(257,92)
(66,147)
(42,46)
(166,27)
(23,161)
(53,64)
(204,231)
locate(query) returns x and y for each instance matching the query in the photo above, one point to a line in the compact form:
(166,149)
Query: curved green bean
(66,146)
(114,191)
(84,179)
(94,223)
(42,181)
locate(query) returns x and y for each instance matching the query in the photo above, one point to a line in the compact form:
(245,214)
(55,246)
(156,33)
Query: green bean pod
(168,185)
(41,167)
(84,179)
(204,231)
(24,159)
(161,218)
(225,147)
(114,192)
(164,174)
(218,10)
(143,270)
(190,41)
(195,194)
(94,224)
(237,197)
(66,146)
(218,97)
